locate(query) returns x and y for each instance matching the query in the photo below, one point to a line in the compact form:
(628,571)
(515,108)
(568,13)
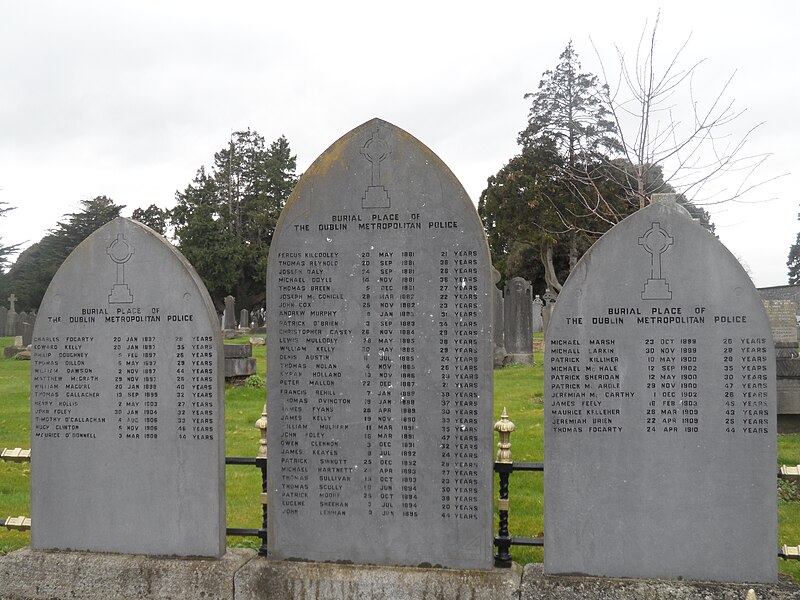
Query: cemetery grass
(517,388)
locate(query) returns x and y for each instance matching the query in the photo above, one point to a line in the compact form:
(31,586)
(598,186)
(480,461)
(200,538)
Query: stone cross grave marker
(660,411)
(380,361)
(127,403)
(11,317)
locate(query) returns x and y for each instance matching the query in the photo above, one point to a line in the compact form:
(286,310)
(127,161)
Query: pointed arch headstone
(380,361)
(127,402)
(660,410)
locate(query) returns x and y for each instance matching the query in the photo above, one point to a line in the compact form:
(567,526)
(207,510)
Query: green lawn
(518,388)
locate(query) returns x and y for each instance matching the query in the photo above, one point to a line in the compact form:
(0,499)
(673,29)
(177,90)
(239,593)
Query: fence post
(503,466)
(261,462)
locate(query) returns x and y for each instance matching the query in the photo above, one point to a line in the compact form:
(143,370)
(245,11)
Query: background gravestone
(660,441)
(380,361)
(536,324)
(498,326)
(783,322)
(244,318)
(127,404)
(11,317)
(549,300)
(22,318)
(518,336)
(3,318)
(229,316)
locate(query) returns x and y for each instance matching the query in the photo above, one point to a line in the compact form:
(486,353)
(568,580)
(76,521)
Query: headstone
(22,318)
(3,319)
(660,442)
(497,328)
(380,361)
(127,402)
(27,334)
(783,322)
(518,336)
(538,305)
(244,318)
(11,317)
(32,318)
(229,316)
(549,299)
(782,316)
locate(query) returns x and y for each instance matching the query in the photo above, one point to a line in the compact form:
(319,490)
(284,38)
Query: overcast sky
(129,99)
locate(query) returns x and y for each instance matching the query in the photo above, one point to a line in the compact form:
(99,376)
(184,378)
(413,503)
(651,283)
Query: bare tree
(662,125)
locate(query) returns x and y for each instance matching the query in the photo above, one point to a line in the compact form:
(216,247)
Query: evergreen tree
(559,193)
(30,275)
(152,216)
(224,219)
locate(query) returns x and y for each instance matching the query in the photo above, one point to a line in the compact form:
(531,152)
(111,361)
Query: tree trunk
(573,250)
(550,277)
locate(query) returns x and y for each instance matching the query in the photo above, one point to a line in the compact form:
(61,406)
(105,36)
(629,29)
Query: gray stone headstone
(229,320)
(32,318)
(518,336)
(22,318)
(497,328)
(536,319)
(27,334)
(380,361)
(244,318)
(660,441)
(127,402)
(3,318)
(11,317)
(782,316)
(549,299)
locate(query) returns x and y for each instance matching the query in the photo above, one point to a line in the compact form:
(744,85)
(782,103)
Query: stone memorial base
(518,359)
(27,575)
(538,586)
(241,575)
(284,580)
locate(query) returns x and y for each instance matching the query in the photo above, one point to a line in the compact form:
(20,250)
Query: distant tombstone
(22,318)
(497,312)
(32,318)
(782,316)
(229,321)
(660,441)
(244,318)
(3,319)
(11,317)
(518,336)
(380,361)
(549,299)
(127,402)
(536,322)
(27,334)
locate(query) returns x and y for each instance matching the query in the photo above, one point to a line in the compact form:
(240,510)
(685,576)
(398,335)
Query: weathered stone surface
(229,315)
(660,412)
(537,323)
(239,367)
(782,316)
(32,575)
(380,361)
(127,402)
(518,309)
(238,350)
(538,586)
(276,580)
(498,323)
